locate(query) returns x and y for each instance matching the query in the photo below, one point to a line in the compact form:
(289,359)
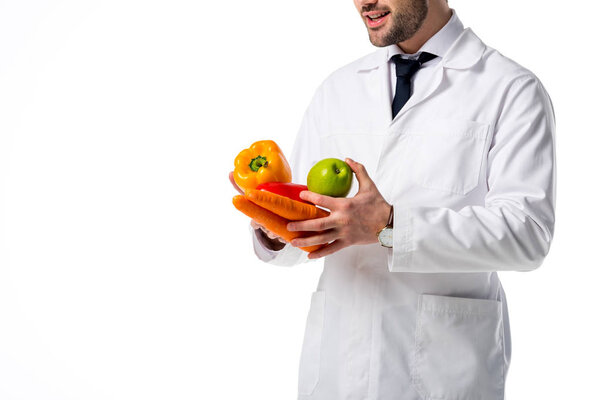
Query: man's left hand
(355,220)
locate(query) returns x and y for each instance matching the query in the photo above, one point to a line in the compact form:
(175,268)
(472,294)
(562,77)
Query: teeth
(377,15)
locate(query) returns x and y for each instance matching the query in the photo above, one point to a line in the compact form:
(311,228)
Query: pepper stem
(257,162)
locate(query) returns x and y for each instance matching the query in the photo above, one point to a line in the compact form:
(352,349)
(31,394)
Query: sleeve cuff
(262,252)
(400,255)
(288,256)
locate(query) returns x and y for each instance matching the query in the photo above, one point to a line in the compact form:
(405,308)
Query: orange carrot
(291,209)
(271,221)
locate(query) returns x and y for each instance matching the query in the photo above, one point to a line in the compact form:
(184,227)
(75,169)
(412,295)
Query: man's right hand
(265,236)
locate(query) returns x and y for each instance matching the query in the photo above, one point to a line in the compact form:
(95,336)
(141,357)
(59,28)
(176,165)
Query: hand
(235,186)
(354,220)
(275,242)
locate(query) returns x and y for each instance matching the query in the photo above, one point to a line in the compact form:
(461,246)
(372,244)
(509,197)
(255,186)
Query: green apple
(330,177)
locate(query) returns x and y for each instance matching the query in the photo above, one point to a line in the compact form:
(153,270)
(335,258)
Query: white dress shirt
(438,44)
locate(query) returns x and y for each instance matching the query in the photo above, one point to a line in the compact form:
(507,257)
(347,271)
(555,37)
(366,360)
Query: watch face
(386,238)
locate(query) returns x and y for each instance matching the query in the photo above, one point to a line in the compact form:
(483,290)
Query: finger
(255,225)
(326,250)
(322,238)
(318,199)
(273,236)
(235,185)
(316,224)
(364,180)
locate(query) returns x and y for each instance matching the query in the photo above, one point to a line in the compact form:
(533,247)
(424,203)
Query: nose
(365,4)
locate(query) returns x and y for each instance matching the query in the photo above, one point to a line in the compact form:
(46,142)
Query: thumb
(235,185)
(364,180)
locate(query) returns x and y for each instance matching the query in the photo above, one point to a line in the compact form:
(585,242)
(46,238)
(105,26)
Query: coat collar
(465,52)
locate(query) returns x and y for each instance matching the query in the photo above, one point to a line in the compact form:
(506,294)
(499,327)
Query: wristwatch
(385,234)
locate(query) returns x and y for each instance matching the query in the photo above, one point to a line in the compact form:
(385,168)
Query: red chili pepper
(290,190)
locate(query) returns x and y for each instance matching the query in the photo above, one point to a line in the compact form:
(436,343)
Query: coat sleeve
(512,231)
(305,154)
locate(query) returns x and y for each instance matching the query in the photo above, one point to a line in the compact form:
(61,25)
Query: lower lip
(375,23)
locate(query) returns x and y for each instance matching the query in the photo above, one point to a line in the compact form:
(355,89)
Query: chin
(377,41)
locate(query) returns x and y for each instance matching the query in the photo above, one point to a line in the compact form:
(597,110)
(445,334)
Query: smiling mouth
(375,18)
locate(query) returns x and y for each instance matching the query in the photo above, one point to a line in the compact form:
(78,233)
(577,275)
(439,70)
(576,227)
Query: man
(456,181)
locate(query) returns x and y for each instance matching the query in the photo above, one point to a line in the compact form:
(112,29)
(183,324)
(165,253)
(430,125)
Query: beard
(403,25)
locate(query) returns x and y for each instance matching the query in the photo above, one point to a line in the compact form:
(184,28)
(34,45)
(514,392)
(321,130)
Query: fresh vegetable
(262,162)
(284,206)
(271,221)
(291,190)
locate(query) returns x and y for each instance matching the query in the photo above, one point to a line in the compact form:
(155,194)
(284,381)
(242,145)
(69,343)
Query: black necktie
(405,69)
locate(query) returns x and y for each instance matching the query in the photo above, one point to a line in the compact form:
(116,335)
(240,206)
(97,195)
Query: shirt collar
(458,47)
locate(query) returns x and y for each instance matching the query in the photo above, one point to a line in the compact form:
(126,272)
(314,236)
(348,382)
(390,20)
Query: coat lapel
(382,75)
(425,92)
(466,51)
(376,72)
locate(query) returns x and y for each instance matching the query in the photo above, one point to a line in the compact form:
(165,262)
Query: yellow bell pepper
(262,162)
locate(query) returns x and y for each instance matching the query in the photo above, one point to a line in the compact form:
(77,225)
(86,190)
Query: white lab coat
(469,165)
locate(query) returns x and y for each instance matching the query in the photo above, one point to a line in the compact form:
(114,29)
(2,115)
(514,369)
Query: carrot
(284,206)
(271,221)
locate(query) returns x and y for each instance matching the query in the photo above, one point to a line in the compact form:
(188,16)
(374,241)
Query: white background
(126,273)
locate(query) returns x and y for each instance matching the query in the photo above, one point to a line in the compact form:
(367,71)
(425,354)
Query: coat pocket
(310,359)
(459,353)
(446,155)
